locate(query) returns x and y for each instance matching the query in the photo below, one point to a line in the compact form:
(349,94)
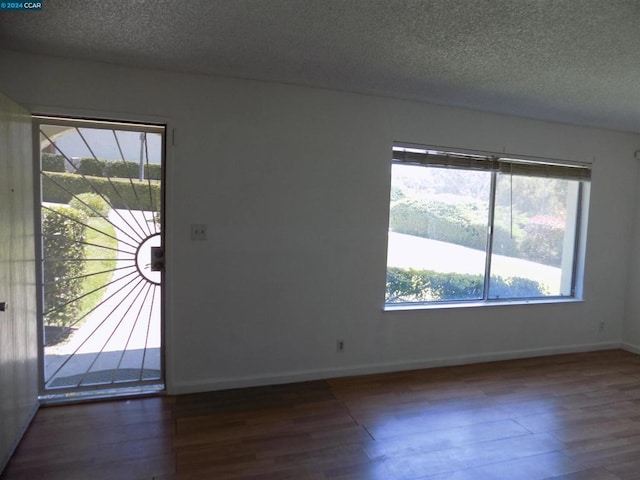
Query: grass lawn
(107,265)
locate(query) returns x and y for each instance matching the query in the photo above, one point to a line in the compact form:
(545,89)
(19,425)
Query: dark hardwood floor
(564,417)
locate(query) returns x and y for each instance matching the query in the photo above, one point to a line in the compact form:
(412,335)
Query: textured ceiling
(575,61)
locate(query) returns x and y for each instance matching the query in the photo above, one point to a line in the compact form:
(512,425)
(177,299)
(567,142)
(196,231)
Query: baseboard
(5,460)
(179,388)
(631,348)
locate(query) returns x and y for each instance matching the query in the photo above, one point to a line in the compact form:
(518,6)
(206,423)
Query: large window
(466,227)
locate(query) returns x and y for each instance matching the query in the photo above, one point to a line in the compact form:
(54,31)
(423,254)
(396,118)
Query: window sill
(475,304)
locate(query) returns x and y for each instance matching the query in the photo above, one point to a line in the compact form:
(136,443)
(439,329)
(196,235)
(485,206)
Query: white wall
(294,183)
(631,330)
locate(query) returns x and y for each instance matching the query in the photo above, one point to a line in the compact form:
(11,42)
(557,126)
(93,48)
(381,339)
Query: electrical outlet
(198,231)
(601,326)
(340,346)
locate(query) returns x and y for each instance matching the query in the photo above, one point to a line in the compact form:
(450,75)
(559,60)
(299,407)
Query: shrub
(447,222)
(118,168)
(410,285)
(543,240)
(93,167)
(153,171)
(121,169)
(91,203)
(515,287)
(61,187)
(504,243)
(63,230)
(396,193)
(125,169)
(53,163)
(465,224)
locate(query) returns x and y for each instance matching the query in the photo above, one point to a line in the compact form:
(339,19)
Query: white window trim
(407,153)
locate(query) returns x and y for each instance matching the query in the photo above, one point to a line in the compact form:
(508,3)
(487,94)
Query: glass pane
(534,237)
(437,234)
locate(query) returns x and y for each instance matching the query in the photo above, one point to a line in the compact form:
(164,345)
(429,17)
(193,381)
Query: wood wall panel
(18,325)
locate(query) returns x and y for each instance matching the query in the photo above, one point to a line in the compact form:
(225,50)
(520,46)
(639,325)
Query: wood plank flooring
(569,417)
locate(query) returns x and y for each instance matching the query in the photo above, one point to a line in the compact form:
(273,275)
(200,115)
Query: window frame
(445,157)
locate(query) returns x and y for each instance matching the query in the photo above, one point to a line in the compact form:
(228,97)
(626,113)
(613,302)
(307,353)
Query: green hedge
(440,221)
(61,187)
(51,162)
(410,285)
(106,168)
(515,287)
(93,167)
(63,230)
(538,239)
(544,240)
(90,203)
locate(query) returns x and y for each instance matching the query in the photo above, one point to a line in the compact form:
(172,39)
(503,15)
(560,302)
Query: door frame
(65,395)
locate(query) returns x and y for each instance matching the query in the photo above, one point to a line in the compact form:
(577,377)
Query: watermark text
(20,5)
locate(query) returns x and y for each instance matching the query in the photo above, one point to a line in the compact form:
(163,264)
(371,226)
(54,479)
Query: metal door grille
(102,261)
